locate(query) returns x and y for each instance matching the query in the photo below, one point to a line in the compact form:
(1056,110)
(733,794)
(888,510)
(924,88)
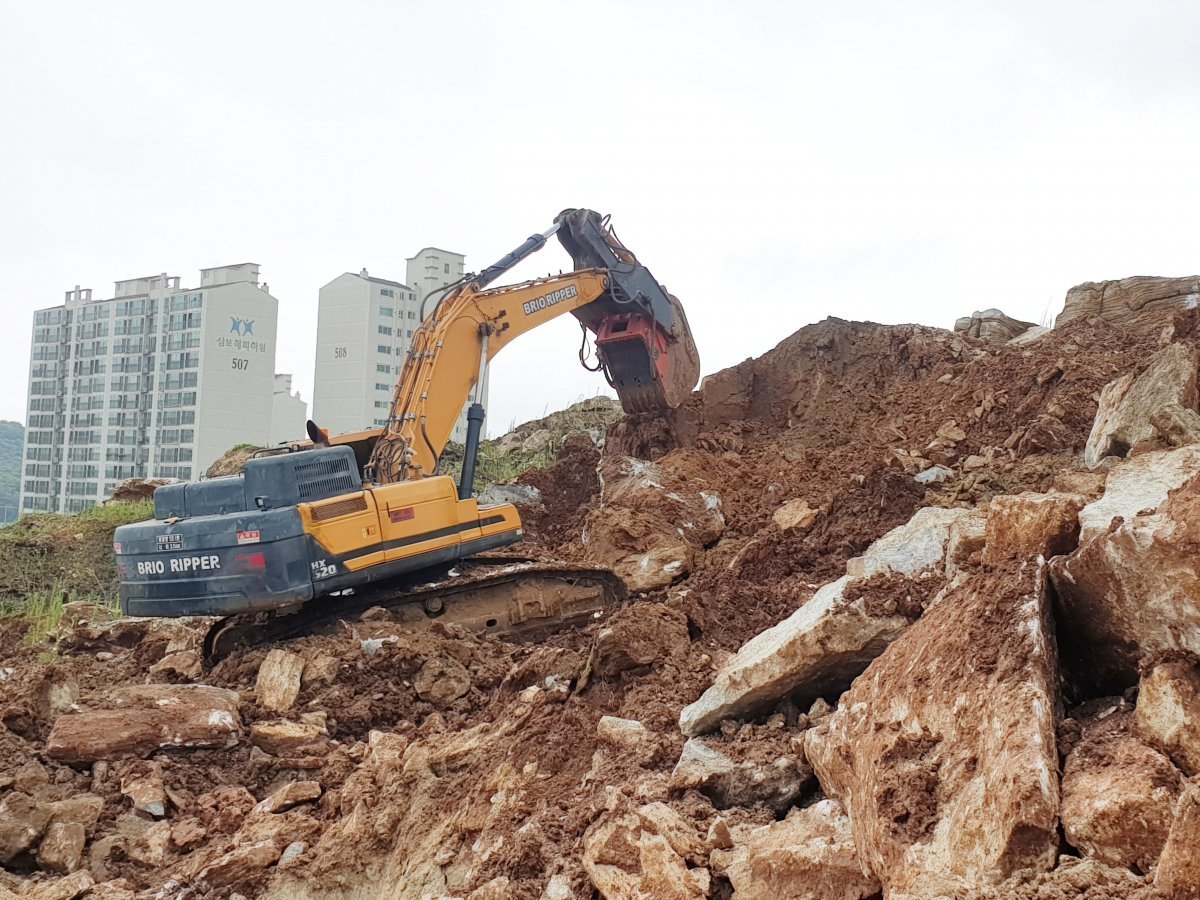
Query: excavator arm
(643,342)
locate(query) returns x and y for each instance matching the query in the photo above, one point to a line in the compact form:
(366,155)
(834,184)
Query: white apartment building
(364,331)
(364,325)
(289,413)
(432,268)
(156,382)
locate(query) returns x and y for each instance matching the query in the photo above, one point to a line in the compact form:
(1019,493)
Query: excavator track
(518,599)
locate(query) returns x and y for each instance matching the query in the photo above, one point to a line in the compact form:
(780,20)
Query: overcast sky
(772,163)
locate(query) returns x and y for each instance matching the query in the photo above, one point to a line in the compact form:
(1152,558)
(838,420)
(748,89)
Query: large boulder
(1178,874)
(1168,711)
(810,855)
(1137,485)
(653,520)
(1142,303)
(1025,526)
(1130,404)
(1131,592)
(140,719)
(822,646)
(943,751)
(991,325)
(1118,794)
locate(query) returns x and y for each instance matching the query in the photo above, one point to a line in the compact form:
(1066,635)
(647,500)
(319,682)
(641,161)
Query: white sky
(772,163)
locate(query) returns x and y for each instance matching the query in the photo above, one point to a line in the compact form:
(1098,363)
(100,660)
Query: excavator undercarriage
(510,597)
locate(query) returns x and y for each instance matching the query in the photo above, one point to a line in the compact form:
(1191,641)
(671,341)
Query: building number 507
(240,364)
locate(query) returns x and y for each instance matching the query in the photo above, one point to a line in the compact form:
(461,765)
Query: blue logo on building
(241,326)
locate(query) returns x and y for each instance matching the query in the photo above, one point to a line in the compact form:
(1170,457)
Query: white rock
(822,646)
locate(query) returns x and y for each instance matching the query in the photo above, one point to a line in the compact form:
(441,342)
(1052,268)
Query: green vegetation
(47,560)
(12,436)
(533,445)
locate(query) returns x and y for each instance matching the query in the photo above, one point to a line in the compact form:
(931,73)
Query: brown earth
(450,763)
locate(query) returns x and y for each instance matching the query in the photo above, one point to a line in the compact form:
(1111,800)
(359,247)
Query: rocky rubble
(889,635)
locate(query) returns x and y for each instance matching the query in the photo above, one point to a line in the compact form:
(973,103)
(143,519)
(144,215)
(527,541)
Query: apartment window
(381,404)
(183,360)
(385,329)
(173,381)
(446,268)
(180,321)
(379,386)
(412,314)
(410,332)
(387,311)
(386,292)
(384,348)
(129,326)
(183,341)
(382,368)
(178,398)
(177,417)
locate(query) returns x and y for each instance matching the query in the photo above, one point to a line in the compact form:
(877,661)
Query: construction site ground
(383,761)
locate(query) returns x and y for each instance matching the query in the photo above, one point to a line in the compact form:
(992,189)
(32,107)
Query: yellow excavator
(336,525)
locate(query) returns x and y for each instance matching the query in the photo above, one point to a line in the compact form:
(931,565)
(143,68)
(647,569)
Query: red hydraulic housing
(651,370)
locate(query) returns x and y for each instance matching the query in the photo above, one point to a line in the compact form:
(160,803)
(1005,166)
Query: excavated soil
(503,779)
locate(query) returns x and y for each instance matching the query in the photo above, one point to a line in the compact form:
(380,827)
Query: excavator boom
(643,343)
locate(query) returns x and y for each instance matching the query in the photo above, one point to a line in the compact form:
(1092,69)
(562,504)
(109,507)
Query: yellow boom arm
(448,353)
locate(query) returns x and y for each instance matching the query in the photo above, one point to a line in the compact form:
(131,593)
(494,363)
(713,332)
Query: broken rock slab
(61,849)
(1118,794)
(795,516)
(1138,485)
(278,683)
(991,325)
(809,854)
(1129,594)
(625,858)
(826,643)
(1142,303)
(289,795)
(1128,404)
(1178,873)
(140,719)
(1168,711)
(943,751)
(1025,526)
(652,522)
(642,635)
(143,785)
(728,782)
(22,822)
(1178,425)
(284,738)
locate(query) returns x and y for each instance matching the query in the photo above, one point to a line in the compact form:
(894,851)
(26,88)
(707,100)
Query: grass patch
(47,560)
(533,445)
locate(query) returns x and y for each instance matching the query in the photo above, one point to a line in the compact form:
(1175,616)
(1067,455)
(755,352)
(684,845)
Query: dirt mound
(137,489)
(378,761)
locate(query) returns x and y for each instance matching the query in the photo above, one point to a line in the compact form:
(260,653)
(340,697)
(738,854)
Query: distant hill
(12,435)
